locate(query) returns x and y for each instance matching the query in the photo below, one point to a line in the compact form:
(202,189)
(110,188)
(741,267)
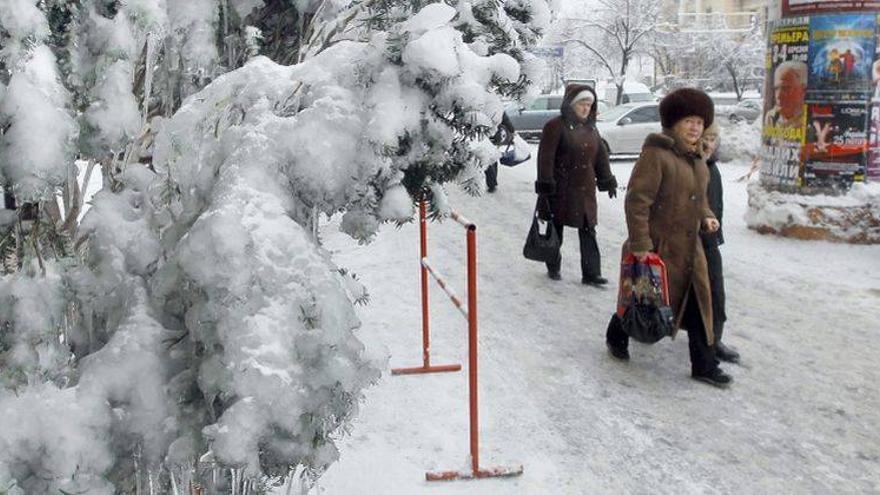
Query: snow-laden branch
(203,323)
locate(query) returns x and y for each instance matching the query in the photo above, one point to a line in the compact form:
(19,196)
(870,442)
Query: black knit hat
(686,102)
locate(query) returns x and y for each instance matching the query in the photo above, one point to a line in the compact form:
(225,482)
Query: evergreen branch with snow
(191,323)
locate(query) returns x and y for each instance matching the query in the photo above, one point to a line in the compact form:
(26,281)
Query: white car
(624,128)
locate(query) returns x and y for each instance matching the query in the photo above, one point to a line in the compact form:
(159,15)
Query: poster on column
(872,163)
(784,105)
(872,160)
(837,139)
(841,57)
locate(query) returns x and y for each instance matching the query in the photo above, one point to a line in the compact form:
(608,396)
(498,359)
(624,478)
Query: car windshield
(614,113)
(640,97)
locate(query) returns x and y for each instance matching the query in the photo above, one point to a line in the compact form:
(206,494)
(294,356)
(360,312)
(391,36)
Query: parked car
(633,92)
(725,102)
(529,120)
(747,110)
(624,128)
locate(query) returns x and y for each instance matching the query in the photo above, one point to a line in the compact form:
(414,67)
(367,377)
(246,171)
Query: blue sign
(547,51)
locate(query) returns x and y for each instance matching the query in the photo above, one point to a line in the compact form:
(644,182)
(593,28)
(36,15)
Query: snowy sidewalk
(802,416)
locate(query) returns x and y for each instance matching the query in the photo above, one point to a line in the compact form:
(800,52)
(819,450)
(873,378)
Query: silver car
(747,110)
(529,120)
(624,128)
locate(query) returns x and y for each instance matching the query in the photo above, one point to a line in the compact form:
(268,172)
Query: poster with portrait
(841,56)
(837,141)
(784,114)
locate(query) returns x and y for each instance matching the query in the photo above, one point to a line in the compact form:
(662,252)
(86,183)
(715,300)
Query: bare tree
(729,57)
(739,55)
(619,30)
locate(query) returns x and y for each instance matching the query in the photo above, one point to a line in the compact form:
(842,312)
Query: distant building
(696,18)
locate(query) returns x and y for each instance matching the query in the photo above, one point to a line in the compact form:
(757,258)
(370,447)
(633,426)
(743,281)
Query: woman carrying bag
(572,164)
(666,209)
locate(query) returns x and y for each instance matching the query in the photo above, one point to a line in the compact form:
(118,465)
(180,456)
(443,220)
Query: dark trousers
(590,258)
(492,176)
(716,282)
(703,358)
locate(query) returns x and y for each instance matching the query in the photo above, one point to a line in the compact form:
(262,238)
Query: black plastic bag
(648,323)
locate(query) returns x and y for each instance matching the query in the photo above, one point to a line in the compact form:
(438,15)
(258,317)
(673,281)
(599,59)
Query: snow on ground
(801,417)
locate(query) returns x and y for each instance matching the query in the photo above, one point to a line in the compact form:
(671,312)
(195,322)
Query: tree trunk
(621,78)
(736,87)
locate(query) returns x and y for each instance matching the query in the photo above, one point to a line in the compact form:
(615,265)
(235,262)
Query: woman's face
(710,143)
(689,129)
(582,108)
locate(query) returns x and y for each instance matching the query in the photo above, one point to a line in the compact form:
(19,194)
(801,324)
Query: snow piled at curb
(854,217)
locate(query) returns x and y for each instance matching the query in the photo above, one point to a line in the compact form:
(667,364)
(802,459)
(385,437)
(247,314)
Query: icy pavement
(802,417)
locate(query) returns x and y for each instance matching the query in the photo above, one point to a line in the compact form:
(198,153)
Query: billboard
(872,161)
(834,153)
(841,56)
(784,117)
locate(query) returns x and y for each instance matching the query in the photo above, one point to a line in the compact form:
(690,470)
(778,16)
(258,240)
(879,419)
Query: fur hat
(686,102)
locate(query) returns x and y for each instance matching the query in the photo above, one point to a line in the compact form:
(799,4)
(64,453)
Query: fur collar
(667,140)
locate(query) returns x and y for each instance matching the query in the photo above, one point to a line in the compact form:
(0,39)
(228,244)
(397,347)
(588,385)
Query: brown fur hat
(686,102)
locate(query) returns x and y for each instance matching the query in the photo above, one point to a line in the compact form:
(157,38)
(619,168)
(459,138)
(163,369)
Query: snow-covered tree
(740,56)
(613,34)
(723,57)
(190,329)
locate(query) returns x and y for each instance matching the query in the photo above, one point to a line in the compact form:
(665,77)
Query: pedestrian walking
(503,136)
(572,164)
(712,242)
(666,209)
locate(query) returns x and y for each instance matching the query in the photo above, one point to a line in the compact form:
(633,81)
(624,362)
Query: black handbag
(644,299)
(542,247)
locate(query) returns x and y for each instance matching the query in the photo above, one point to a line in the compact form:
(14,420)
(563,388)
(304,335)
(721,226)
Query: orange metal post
(476,472)
(426,334)
(472,344)
(423,253)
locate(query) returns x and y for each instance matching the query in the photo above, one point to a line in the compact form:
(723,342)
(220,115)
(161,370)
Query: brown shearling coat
(572,164)
(665,206)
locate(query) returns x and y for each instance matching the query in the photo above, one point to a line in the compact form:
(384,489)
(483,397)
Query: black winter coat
(715,196)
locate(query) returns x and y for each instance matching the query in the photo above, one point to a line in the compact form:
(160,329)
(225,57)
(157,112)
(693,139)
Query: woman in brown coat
(572,164)
(666,208)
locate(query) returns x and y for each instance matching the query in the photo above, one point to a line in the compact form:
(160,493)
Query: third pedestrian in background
(572,164)
(712,242)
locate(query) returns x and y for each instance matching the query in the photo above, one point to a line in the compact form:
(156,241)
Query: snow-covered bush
(192,322)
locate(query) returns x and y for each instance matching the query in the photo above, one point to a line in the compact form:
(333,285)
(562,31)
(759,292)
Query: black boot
(726,353)
(715,377)
(595,281)
(617,352)
(554,275)
(616,339)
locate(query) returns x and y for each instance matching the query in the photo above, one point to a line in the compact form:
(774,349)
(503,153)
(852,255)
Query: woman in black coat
(712,242)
